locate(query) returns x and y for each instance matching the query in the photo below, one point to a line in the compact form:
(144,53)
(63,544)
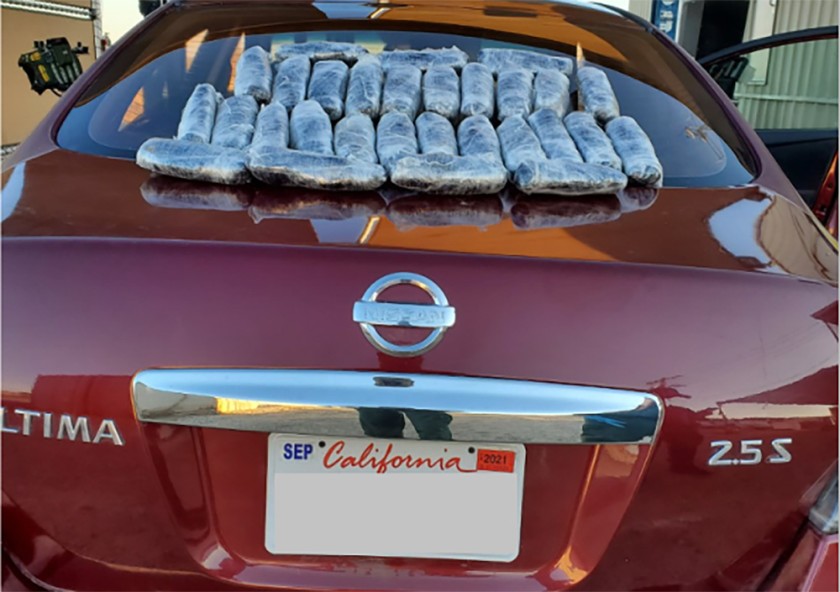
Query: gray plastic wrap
(401,92)
(199,114)
(478,96)
(395,138)
(595,94)
(435,134)
(591,141)
(477,137)
(636,151)
(390,192)
(253,74)
(502,59)
(323,50)
(235,122)
(514,93)
(435,211)
(310,129)
(193,161)
(355,139)
(272,129)
(424,59)
(442,91)
(555,140)
(563,177)
(166,192)
(635,198)
(364,88)
(518,142)
(534,212)
(328,85)
(314,171)
(448,174)
(551,91)
(291,79)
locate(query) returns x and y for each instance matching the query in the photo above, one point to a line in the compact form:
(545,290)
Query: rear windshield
(146,84)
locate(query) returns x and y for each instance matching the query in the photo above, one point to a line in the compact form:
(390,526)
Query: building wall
(642,8)
(794,87)
(22,107)
(794,15)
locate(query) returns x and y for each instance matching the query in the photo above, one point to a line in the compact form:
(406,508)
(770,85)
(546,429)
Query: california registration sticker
(501,461)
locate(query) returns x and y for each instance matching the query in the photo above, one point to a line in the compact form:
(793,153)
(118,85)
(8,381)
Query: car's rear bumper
(812,566)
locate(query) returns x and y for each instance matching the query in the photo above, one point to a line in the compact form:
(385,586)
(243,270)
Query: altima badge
(369,313)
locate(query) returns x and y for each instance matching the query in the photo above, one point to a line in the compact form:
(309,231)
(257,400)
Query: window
(790,86)
(142,92)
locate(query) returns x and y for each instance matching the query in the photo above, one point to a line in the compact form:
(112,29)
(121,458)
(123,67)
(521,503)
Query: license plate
(393,498)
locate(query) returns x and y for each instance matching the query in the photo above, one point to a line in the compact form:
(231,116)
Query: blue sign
(664,16)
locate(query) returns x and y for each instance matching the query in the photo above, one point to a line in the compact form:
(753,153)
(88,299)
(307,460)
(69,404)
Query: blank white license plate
(393,498)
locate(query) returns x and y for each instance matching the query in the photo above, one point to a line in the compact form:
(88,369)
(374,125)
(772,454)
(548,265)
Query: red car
(252,387)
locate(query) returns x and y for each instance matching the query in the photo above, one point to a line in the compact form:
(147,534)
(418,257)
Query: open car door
(785,86)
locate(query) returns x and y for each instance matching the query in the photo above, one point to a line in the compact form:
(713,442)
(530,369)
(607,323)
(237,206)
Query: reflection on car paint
(405,209)
(13,190)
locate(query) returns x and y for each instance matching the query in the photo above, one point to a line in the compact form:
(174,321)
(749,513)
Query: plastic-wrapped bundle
(636,198)
(477,90)
(424,59)
(441,91)
(515,93)
(477,137)
(551,91)
(308,204)
(314,171)
(323,50)
(193,161)
(420,210)
(435,134)
(328,86)
(235,122)
(253,74)
(564,177)
(445,173)
(355,139)
(364,89)
(535,212)
(591,141)
(636,151)
(166,192)
(595,94)
(555,140)
(272,127)
(291,80)
(310,129)
(395,138)
(518,143)
(199,114)
(402,90)
(391,192)
(501,59)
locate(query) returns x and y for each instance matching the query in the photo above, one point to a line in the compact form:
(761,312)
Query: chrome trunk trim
(335,403)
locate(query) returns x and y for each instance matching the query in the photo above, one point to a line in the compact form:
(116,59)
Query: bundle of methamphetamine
(329,115)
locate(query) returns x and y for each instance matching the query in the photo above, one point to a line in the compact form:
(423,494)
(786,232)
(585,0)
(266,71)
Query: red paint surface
(98,284)
(822,577)
(811,565)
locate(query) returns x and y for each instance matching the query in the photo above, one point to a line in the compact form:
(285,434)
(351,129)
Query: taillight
(824,513)
(824,205)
